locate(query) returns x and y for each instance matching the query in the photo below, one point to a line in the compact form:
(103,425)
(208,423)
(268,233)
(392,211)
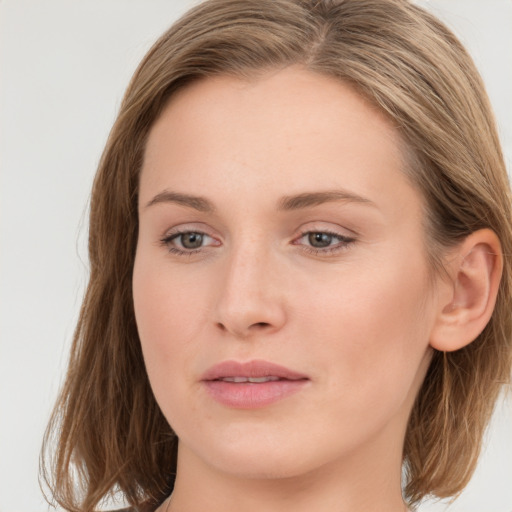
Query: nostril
(245,331)
(257,326)
(261,324)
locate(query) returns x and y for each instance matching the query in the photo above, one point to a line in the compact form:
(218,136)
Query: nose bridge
(249,298)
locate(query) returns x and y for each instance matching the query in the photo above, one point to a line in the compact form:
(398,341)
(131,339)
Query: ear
(468,297)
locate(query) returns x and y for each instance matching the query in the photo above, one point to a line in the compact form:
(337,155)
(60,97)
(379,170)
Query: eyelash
(167,241)
(343,243)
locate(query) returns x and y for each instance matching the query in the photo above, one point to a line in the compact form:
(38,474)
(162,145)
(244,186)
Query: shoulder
(140,508)
(130,509)
(143,507)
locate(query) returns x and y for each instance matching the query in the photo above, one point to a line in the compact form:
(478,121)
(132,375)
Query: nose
(251,293)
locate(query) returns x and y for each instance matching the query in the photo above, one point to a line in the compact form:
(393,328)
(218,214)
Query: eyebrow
(308,199)
(196,202)
(286,203)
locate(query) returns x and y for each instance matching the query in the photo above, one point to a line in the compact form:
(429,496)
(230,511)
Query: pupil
(192,240)
(320,239)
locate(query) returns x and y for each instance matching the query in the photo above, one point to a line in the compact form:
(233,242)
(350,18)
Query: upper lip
(255,368)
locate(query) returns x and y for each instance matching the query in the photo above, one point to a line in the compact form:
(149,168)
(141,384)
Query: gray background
(64,65)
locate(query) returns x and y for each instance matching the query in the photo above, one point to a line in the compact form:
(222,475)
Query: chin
(260,455)
(262,465)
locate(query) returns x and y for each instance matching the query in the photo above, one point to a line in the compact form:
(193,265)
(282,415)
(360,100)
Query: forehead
(292,101)
(285,129)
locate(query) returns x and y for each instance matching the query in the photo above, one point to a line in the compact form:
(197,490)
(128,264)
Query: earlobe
(467,300)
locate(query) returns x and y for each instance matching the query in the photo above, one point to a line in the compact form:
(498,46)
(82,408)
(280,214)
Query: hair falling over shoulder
(107,434)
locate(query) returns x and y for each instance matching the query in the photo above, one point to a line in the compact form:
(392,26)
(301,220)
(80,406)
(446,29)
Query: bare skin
(277,224)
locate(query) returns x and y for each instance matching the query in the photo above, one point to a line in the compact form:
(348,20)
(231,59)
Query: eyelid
(176,235)
(190,227)
(334,234)
(170,235)
(345,240)
(328,227)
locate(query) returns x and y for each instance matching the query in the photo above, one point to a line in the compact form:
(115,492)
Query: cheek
(167,312)
(373,328)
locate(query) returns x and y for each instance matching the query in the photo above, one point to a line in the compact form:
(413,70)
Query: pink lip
(249,395)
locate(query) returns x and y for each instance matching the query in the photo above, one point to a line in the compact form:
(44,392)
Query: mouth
(253,380)
(251,385)
(251,371)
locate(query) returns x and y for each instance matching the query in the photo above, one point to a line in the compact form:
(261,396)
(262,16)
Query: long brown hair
(110,434)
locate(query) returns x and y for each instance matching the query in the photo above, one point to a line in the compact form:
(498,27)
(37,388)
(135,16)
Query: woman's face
(281,242)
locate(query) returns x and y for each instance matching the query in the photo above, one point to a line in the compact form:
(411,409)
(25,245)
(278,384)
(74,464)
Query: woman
(298,284)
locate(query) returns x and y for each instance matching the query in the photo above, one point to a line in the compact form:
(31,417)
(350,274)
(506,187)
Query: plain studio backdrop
(64,66)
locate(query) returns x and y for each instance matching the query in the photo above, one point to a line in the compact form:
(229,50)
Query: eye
(322,242)
(187,242)
(320,239)
(190,240)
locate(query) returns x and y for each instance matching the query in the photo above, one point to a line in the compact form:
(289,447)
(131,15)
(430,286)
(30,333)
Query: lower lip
(248,395)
